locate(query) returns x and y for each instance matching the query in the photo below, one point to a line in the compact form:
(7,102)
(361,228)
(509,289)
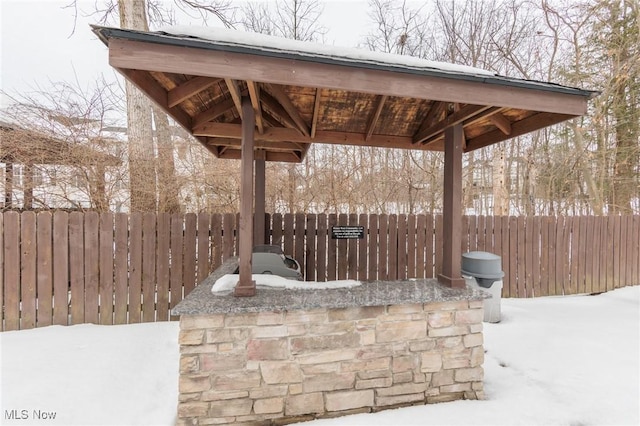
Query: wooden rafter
(316,112)
(461,115)
(279,94)
(145,82)
(254,94)
(518,128)
(213,112)
(501,122)
(373,120)
(190,88)
(275,107)
(236,94)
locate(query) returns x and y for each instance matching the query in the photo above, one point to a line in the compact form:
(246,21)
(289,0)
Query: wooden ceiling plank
(453,119)
(316,112)
(279,94)
(183,60)
(189,88)
(501,122)
(254,94)
(236,94)
(281,157)
(373,120)
(518,128)
(148,85)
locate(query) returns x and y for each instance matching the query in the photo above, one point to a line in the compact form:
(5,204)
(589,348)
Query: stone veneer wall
(283,367)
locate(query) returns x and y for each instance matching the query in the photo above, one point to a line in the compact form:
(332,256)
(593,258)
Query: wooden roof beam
(254,94)
(316,112)
(282,157)
(228,130)
(145,82)
(501,122)
(189,88)
(236,94)
(267,145)
(275,107)
(373,120)
(213,113)
(519,128)
(458,117)
(279,94)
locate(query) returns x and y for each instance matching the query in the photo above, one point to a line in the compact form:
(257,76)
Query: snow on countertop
(279,44)
(227,283)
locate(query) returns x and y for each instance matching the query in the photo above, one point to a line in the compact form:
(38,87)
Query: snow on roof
(269,43)
(226,283)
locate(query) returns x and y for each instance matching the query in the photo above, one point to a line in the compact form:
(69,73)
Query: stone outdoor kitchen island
(292,355)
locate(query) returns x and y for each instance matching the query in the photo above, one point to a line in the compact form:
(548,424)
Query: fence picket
(135,273)
(352,257)
(392,229)
(28,270)
(373,248)
(204,222)
(411,246)
(44,316)
(332,248)
(310,249)
(163,259)
(189,257)
(175,273)
(321,252)
(421,237)
(60,268)
(105,273)
(121,271)
(76,266)
(382,247)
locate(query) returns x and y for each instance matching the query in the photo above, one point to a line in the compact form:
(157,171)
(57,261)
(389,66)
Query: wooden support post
(246,286)
(259,218)
(452,208)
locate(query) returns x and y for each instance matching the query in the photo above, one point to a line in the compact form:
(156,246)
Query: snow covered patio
(579,364)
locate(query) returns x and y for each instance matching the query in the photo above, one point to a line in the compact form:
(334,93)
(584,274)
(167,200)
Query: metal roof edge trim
(106,33)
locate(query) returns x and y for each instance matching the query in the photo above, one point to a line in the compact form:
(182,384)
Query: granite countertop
(376,293)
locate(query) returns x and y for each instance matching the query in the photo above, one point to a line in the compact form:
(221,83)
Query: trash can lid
(481,255)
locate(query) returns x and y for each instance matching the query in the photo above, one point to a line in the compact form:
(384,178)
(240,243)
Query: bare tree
(57,139)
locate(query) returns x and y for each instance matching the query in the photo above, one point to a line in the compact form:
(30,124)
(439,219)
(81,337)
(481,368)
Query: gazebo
(286,356)
(259,98)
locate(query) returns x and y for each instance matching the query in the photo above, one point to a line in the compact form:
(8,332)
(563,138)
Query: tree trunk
(142,175)
(168,183)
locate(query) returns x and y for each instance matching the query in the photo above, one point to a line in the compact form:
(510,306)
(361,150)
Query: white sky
(38,45)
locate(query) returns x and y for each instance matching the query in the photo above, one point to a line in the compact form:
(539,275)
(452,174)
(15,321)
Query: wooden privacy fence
(72,268)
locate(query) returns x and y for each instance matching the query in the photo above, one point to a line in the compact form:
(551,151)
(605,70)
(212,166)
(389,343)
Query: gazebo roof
(305,93)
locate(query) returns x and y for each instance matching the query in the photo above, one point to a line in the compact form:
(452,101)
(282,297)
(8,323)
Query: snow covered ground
(556,360)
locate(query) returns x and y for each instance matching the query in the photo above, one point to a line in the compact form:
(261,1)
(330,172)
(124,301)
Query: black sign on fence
(347,232)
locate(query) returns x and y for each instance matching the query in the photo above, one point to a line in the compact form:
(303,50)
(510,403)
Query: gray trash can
(483,270)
